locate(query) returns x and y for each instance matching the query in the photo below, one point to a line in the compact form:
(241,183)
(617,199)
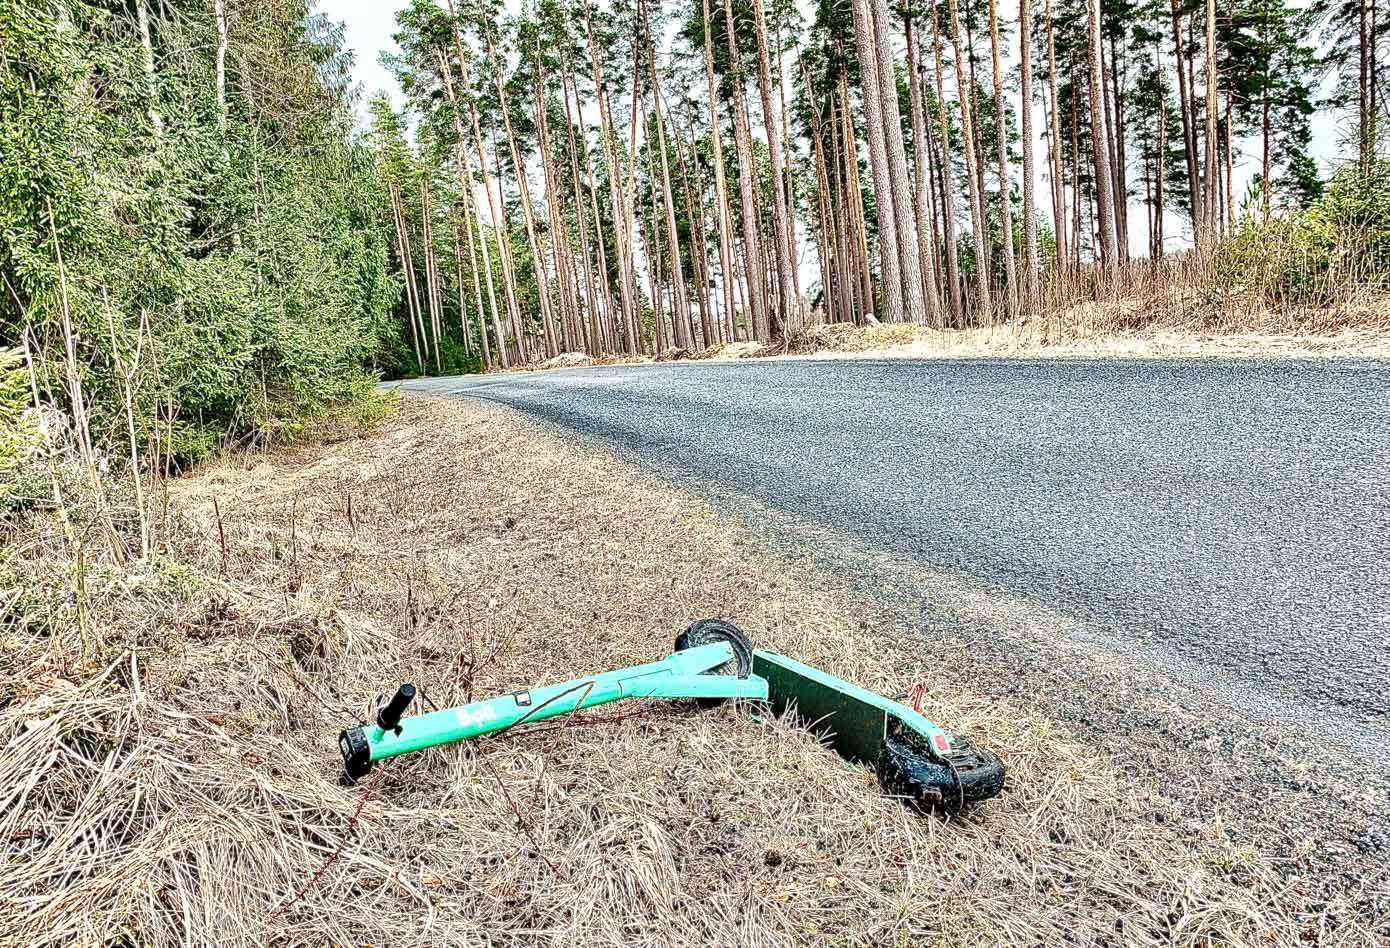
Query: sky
(370,23)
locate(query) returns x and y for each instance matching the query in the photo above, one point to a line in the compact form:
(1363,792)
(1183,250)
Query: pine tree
(1006,224)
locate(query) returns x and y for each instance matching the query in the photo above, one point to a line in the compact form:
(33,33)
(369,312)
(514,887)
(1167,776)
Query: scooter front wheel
(710,632)
(938,781)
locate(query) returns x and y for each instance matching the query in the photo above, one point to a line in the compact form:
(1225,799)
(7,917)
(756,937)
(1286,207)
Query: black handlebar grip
(390,716)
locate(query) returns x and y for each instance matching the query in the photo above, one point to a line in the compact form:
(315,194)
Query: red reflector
(941,743)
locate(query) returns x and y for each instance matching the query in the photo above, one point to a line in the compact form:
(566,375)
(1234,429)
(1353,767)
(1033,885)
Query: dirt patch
(736,350)
(167,735)
(566,360)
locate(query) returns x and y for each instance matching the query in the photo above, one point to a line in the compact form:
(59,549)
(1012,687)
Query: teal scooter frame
(712,662)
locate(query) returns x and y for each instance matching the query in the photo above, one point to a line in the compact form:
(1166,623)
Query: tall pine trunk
(1075,176)
(984,308)
(622,218)
(699,252)
(528,211)
(403,252)
(1157,253)
(1230,217)
(1114,138)
(848,236)
(1189,125)
(473,273)
(1121,148)
(1199,202)
(431,269)
(743,145)
(508,279)
(981,161)
(909,260)
(609,322)
(1212,197)
(827,244)
(948,187)
(1059,191)
(594,313)
(789,192)
(465,184)
(889,230)
(1006,204)
(556,225)
(723,219)
(784,254)
(921,175)
(507,261)
(458,284)
(1030,223)
(684,328)
(465,176)
(855,185)
(1104,181)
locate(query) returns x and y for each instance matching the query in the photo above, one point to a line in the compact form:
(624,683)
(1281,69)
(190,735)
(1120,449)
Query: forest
(206,236)
(693,174)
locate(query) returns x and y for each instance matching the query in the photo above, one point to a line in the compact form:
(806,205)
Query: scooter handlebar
(389,717)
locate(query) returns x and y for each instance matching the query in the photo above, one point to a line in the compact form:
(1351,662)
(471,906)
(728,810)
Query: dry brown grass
(1034,339)
(1177,308)
(174,783)
(1198,295)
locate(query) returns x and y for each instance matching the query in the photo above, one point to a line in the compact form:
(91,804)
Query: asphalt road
(1227,520)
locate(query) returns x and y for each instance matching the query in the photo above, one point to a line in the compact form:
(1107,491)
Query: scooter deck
(852,720)
(914,758)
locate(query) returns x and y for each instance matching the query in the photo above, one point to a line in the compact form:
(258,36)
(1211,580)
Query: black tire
(710,631)
(932,782)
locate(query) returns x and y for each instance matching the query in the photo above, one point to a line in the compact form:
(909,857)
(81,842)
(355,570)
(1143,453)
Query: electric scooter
(713,661)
